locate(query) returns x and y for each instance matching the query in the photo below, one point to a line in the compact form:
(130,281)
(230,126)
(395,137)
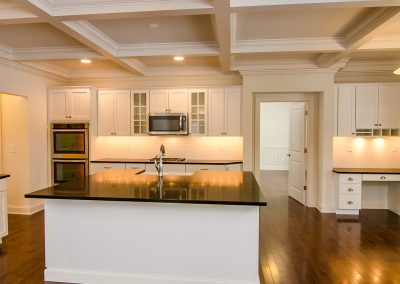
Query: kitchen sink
(167,174)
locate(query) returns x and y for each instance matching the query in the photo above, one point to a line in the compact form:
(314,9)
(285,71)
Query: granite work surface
(203,187)
(185,162)
(4,176)
(366,170)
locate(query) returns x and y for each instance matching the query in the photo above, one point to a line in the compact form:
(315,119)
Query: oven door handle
(69,161)
(69,130)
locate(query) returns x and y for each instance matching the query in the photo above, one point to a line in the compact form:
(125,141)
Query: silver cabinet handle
(350,179)
(350,190)
(180,122)
(349,202)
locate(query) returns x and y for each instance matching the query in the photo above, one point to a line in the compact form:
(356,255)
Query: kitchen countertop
(4,176)
(366,170)
(203,187)
(187,162)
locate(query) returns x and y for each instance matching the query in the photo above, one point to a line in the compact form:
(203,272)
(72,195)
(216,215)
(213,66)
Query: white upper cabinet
(114,110)
(345,98)
(169,101)
(69,104)
(388,106)
(198,111)
(366,106)
(225,112)
(139,107)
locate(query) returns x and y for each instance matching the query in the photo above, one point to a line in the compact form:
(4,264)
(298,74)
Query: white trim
(288,45)
(12,11)
(44,5)
(6,52)
(346,212)
(90,277)
(48,68)
(25,210)
(382,42)
(51,53)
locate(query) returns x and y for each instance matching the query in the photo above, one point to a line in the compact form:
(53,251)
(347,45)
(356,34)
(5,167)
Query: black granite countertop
(4,176)
(366,170)
(203,187)
(186,162)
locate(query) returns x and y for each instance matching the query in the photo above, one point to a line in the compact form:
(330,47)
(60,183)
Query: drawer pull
(350,179)
(383,177)
(350,190)
(107,167)
(134,168)
(349,202)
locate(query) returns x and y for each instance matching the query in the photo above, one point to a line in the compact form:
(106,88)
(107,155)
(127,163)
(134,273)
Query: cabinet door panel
(3,214)
(78,104)
(216,112)
(346,111)
(366,110)
(233,112)
(158,101)
(105,113)
(57,105)
(122,113)
(389,101)
(178,100)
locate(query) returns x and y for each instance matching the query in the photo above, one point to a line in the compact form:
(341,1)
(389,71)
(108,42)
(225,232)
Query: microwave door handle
(180,123)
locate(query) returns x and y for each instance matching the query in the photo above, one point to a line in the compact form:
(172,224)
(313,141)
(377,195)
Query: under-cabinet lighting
(86,61)
(179,58)
(397,71)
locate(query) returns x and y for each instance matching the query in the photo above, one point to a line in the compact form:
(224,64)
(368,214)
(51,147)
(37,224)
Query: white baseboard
(274,168)
(347,212)
(90,277)
(25,210)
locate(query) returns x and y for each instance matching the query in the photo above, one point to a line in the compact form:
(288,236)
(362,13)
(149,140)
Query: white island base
(98,242)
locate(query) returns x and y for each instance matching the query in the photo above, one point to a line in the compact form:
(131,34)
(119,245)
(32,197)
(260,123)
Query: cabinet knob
(350,190)
(383,177)
(350,179)
(349,202)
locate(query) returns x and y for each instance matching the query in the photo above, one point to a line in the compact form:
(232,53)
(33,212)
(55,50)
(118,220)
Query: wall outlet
(349,148)
(395,148)
(12,149)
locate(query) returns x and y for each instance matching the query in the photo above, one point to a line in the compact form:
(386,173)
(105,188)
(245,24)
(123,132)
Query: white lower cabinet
(168,168)
(234,167)
(193,168)
(3,209)
(348,188)
(130,166)
(101,167)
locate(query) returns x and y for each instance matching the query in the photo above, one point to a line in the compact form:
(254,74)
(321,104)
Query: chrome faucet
(159,164)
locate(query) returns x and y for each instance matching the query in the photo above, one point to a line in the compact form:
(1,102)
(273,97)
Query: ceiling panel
(276,56)
(34,35)
(168,61)
(298,23)
(170,29)
(375,55)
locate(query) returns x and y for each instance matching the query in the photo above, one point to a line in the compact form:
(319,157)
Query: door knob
(288,155)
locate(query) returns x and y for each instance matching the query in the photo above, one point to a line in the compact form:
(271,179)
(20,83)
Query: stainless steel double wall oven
(69,151)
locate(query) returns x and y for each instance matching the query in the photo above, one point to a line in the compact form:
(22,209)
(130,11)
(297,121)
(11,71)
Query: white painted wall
(321,84)
(17,80)
(274,135)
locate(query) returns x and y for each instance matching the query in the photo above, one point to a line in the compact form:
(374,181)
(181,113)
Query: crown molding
(370,77)
(6,52)
(53,53)
(44,5)
(288,45)
(167,49)
(12,13)
(372,66)
(382,42)
(49,68)
(97,74)
(183,71)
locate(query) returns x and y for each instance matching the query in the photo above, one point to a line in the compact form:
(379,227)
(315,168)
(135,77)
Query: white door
(233,112)
(389,102)
(158,101)
(78,104)
(57,105)
(178,100)
(122,113)
(366,106)
(297,168)
(216,112)
(105,101)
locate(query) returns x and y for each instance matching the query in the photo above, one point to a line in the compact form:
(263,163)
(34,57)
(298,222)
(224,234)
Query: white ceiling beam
(222,29)
(364,31)
(260,5)
(6,52)
(288,45)
(54,53)
(385,42)
(12,13)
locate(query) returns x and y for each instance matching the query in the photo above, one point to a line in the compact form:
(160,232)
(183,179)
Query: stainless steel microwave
(168,124)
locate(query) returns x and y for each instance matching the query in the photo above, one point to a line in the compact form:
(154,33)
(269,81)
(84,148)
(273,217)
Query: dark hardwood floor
(297,244)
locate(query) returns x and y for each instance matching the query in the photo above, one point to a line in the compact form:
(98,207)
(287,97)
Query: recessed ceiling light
(153,26)
(86,61)
(179,58)
(397,71)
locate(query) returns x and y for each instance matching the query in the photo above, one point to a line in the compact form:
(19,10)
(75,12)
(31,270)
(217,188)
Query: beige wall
(16,80)
(305,82)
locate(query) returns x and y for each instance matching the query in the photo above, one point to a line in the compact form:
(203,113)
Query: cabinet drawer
(194,168)
(350,178)
(136,166)
(349,188)
(168,168)
(100,167)
(349,201)
(381,177)
(3,184)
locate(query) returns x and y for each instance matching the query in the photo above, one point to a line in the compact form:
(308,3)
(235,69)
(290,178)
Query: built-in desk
(348,185)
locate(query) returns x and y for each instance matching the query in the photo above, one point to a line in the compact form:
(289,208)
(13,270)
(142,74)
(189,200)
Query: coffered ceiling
(140,38)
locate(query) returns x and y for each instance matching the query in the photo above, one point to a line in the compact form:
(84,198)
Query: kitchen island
(119,226)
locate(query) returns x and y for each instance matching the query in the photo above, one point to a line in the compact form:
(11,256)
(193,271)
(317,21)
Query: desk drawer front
(350,178)
(350,188)
(348,201)
(381,177)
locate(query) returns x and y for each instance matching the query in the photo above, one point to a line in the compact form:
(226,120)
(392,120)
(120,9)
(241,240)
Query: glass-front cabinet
(198,108)
(139,112)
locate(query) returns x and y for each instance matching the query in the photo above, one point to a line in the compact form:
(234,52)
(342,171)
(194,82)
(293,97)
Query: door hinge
(305,150)
(305,112)
(305,187)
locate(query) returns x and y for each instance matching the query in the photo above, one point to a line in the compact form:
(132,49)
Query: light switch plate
(395,147)
(349,147)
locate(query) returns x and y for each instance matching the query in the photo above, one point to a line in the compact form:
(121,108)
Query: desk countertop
(366,170)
